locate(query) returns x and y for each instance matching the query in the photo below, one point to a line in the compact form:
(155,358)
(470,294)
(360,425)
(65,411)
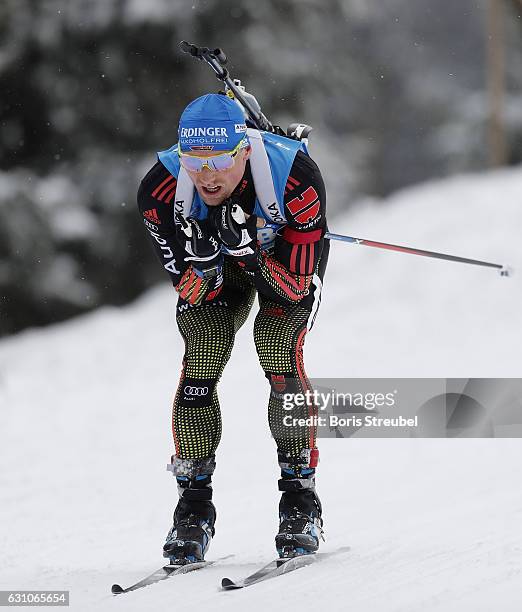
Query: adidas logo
(152,216)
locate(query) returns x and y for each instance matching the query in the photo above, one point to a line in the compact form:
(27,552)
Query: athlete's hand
(237,233)
(201,245)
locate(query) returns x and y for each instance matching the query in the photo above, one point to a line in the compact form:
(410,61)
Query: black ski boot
(195,515)
(190,536)
(300,522)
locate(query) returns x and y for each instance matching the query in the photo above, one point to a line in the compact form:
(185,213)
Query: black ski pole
(503,269)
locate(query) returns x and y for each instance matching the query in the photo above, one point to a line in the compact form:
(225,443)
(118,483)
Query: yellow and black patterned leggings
(209,331)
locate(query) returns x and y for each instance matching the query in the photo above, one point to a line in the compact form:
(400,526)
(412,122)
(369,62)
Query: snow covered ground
(433,525)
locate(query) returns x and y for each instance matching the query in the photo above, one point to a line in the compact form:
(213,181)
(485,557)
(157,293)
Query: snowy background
(397,93)
(433,524)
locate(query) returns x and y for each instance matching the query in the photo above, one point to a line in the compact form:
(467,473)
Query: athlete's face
(215,186)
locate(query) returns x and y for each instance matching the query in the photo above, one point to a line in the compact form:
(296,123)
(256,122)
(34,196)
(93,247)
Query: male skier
(232,212)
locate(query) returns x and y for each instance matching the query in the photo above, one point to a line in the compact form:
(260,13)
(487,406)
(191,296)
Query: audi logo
(195,390)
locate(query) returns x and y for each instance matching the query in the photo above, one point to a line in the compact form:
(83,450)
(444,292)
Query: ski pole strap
(503,269)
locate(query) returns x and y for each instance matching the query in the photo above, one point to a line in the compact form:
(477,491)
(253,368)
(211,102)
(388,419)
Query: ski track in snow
(433,525)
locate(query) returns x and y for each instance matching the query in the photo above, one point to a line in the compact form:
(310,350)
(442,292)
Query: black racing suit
(287,282)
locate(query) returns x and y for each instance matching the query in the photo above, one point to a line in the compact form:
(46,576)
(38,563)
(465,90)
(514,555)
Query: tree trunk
(495,71)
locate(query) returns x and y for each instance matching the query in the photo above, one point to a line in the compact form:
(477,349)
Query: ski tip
(116,589)
(228,584)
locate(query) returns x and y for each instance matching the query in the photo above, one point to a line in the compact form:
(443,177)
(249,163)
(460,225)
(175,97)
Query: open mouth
(211,190)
